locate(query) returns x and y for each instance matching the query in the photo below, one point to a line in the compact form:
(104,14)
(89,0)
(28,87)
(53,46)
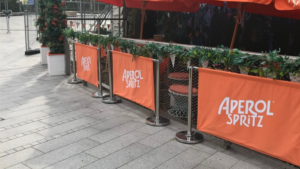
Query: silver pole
(189,136)
(157,92)
(99,94)
(126,28)
(74,80)
(98,27)
(81,15)
(7,22)
(119,21)
(190,100)
(25,30)
(157,120)
(111,99)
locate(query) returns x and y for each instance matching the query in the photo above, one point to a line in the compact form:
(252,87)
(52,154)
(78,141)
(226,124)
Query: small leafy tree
(56,23)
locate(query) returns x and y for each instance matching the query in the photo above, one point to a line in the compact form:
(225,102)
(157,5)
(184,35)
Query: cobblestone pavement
(51,124)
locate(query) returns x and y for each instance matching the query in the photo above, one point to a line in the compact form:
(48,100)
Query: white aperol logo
(295,2)
(247,112)
(85,62)
(132,78)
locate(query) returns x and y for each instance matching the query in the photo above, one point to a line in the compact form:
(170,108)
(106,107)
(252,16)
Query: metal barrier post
(111,99)
(99,94)
(157,120)
(74,80)
(189,136)
(81,15)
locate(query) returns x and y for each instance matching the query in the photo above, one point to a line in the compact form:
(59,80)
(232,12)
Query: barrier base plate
(98,95)
(73,81)
(193,139)
(162,121)
(108,100)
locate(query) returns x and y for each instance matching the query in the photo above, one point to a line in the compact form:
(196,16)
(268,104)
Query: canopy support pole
(241,9)
(143,17)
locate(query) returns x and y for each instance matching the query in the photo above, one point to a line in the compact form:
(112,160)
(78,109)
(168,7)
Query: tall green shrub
(56,23)
(40,23)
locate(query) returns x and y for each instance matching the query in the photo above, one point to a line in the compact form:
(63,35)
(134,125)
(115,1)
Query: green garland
(260,65)
(56,22)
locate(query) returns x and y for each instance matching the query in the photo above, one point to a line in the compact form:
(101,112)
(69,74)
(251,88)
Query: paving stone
(239,152)
(263,161)
(43,99)
(3,154)
(165,152)
(116,144)
(65,140)
(187,160)
(112,122)
(31,104)
(159,138)
(21,141)
(74,162)
(4,140)
(21,129)
(103,115)
(100,106)
(120,158)
(13,99)
(60,154)
(138,163)
(117,131)
(200,166)
(244,165)
(150,129)
(27,146)
(19,166)
(10,151)
(19,148)
(220,160)
(11,95)
(59,118)
(18,157)
(34,143)
(24,112)
(205,148)
(8,105)
(67,126)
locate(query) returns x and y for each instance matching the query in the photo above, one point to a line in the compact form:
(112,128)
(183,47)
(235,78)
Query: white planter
(56,64)
(44,50)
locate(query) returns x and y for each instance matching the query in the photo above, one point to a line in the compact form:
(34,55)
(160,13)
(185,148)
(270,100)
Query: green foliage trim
(262,65)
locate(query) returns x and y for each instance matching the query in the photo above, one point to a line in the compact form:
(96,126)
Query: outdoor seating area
(181,84)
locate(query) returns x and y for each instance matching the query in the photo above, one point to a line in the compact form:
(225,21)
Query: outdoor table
(180,93)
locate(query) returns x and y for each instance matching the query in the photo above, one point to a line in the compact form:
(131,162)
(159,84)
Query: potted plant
(41,24)
(56,23)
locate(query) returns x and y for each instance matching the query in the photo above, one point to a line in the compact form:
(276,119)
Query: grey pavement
(51,124)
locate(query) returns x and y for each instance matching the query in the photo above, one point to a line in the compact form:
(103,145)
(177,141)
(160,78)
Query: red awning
(118,3)
(164,5)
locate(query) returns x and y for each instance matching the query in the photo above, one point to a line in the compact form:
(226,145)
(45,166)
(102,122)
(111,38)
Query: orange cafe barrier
(259,113)
(87,63)
(133,79)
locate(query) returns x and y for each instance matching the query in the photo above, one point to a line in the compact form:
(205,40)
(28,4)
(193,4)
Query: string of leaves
(265,65)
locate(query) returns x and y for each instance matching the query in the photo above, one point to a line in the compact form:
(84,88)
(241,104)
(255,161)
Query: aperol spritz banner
(133,79)
(259,113)
(87,63)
